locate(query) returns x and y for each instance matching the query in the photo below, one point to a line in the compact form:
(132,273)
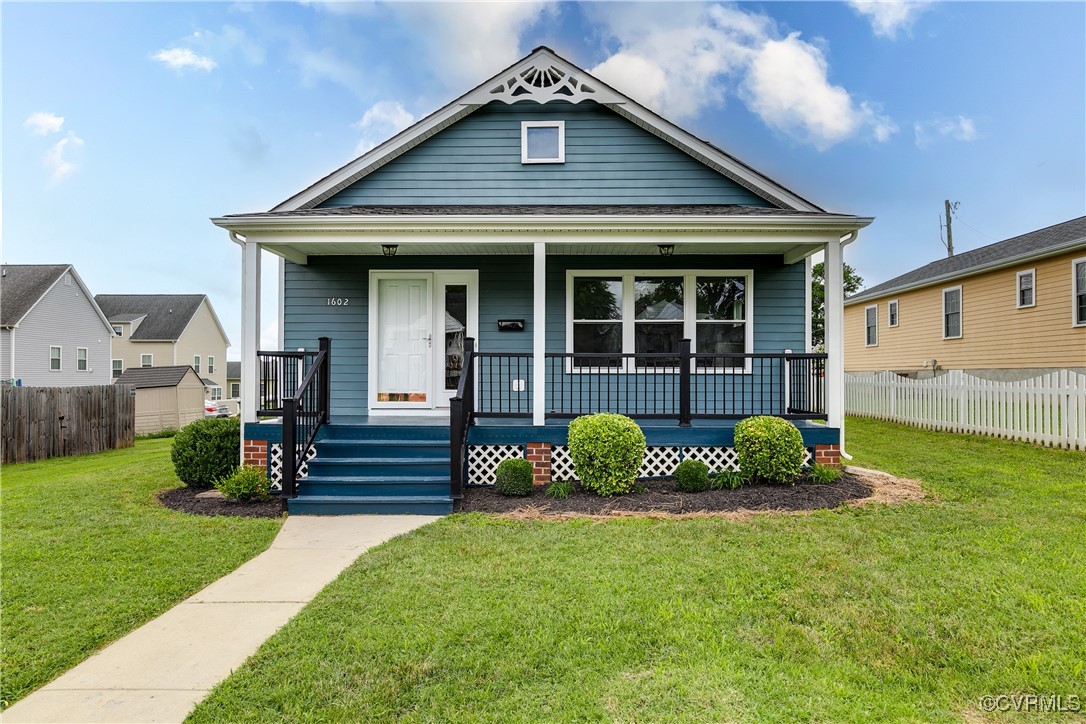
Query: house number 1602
(338,301)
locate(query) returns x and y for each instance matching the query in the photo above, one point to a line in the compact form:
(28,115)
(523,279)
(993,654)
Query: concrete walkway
(160,671)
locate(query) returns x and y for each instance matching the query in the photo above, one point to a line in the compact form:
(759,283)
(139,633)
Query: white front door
(418,324)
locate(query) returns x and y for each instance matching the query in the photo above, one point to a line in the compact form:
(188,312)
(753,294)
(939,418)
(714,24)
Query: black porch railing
(304,411)
(281,375)
(461,415)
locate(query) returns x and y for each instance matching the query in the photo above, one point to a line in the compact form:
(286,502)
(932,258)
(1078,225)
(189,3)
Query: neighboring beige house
(1008,310)
(233,386)
(52,334)
(160,330)
(167,398)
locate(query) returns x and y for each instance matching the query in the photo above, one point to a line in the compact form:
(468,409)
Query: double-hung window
(647,315)
(81,362)
(216,393)
(1024,285)
(871,326)
(118,367)
(952,313)
(147,360)
(196,363)
(54,359)
(235,390)
(211,365)
(1078,291)
(891,313)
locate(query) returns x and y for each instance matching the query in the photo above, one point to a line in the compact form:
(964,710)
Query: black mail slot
(510,325)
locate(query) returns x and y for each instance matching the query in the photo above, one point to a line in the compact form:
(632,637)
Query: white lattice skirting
(660,461)
(483,461)
(275,465)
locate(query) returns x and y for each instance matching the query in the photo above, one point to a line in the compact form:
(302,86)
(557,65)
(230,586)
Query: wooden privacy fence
(1050,409)
(46,422)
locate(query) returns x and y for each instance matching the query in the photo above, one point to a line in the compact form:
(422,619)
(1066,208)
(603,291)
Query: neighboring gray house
(52,332)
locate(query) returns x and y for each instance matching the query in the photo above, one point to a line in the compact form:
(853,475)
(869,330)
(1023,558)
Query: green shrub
(692,476)
(559,489)
(514,477)
(206,450)
(607,450)
(769,449)
(823,474)
(726,480)
(245,484)
(160,435)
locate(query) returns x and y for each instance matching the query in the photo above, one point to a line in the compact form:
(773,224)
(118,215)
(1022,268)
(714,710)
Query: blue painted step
(375,486)
(379,467)
(384,432)
(386,505)
(382,448)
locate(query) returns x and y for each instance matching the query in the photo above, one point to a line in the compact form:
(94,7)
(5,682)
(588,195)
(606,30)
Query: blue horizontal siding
(505,292)
(608,161)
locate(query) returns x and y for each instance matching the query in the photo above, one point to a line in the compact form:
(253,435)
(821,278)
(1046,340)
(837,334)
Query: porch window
(952,313)
(1078,290)
(871,326)
(1024,283)
(891,313)
(651,313)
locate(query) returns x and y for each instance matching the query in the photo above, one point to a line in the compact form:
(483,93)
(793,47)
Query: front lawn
(875,613)
(89,554)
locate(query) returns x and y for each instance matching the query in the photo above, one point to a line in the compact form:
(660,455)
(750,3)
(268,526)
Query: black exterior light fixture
(389,249)
(666,249)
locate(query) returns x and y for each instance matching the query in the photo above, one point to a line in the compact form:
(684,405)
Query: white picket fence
(1049,409)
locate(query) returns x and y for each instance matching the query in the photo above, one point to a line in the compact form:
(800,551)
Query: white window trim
(232,386)
(560,125)
(867,342)
(60,358)
(1018,288)
(689,314)
(111,367)
(86,359)
(896,316)
(961,312)
(212,390)
(210,365)
(1074,296)
(118,330)
(196,363)
(151,356)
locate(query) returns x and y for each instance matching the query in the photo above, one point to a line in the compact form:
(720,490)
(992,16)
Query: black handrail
(303,414)
(461,415)
(281,375)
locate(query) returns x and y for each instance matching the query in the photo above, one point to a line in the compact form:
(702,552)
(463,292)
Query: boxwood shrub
(692,476)
(514,477)
(607,450)
(206,450)
(769,449)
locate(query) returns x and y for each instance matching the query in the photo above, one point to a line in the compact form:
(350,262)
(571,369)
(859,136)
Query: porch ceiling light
(666,249)
(389,249)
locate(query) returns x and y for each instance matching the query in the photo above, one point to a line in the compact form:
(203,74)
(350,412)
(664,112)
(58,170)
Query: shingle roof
(126,317)
(233,370)
(542,210)
(154,376)
(167,314)
(1067,235)
(22,285)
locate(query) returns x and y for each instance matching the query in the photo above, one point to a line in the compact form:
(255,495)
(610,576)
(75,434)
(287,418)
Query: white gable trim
(542,77)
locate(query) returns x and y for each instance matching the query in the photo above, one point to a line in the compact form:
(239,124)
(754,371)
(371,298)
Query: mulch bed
(184,499)
(661,497)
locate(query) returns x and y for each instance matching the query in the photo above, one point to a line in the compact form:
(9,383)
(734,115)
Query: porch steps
(383,469)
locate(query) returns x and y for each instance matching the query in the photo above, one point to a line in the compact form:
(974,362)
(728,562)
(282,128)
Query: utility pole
(949,208)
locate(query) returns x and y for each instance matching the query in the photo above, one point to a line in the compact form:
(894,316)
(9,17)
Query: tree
(853,282)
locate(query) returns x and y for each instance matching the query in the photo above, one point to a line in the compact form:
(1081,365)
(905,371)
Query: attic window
(543,142)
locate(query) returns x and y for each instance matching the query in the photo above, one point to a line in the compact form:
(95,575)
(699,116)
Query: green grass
(909,612)
(89,554)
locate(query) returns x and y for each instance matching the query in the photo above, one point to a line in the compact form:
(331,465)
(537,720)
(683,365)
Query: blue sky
(125,126)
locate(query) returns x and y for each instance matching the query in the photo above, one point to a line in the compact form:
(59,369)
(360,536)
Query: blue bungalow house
(540,248)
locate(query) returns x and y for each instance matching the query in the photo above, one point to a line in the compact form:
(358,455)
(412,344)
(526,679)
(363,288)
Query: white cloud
(383,120)
(887,17)
(468,42)
(957,128)
(57,159)
(787,86)
(682,59)
(43,123)
(230,39)
(181,58)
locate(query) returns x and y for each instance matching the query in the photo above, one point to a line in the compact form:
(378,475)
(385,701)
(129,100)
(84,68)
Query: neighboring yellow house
(1008,310)
(164,330)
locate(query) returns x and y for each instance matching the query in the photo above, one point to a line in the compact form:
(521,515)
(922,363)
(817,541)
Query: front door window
(456,325)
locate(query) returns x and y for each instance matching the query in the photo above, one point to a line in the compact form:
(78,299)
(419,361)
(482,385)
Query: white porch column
(539,333)
(250,329)
(835,339)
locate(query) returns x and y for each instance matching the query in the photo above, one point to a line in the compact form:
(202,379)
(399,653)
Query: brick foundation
(828,454)
(539,455)
(256,453)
